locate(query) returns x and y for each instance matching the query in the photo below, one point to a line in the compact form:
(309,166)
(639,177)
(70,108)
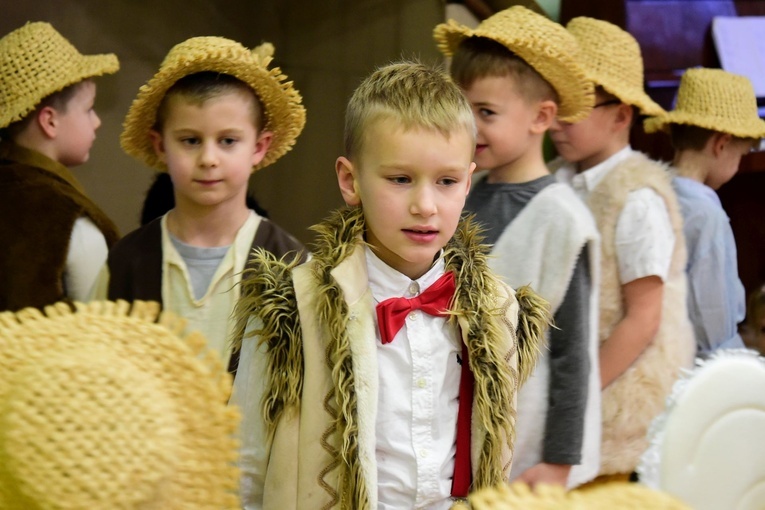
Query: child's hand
(544,473)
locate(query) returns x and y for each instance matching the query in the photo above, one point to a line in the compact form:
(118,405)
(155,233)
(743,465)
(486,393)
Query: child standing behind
(645,337)
(54,238)
(714,124)
(213,114)
(518,70)
(384,371)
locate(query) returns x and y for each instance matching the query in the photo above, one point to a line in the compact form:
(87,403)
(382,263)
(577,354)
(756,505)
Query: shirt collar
(586,181)
(699,188)
(385,282)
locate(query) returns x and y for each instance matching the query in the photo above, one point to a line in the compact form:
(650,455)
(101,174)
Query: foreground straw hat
(282,108)
(611,58)
(104,409)
(609,496)
(543,44)
(714,99)
(35,62)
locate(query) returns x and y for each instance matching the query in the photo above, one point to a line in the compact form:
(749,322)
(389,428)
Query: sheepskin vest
(39,202)
(320,395)
(634,399)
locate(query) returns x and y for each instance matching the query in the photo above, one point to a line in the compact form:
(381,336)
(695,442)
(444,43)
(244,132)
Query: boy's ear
(346,179)
(718,142)
(158,144)
(546,113)
(47,119)
(262,144)
(623,118)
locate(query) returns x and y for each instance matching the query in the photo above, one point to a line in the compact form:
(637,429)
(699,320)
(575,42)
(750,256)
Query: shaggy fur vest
(314,324)
(633,400)
(39,202)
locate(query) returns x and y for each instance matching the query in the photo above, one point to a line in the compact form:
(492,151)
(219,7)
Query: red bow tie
(391,313)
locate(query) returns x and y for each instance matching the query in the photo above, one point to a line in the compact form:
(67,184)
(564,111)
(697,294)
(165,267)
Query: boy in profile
(54,238)
(714,124)
(212,115)
(519,70)
(383,373)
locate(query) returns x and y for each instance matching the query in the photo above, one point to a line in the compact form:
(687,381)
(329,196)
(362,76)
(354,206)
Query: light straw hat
(101,408)
(283,112)
(35,62)
(543,44)
(714,99)
(611,58)
(607,496)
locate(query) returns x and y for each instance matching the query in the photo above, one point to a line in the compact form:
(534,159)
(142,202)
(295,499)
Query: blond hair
(412,94)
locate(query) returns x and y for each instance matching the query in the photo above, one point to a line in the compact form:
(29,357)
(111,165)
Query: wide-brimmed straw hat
(611,58)
(716,100)
(106,408)
(282,105)
(543,44)
(35,62)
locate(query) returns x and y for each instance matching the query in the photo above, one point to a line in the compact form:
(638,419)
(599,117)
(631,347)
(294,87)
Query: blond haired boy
(713,125)
(519,70)
(212,115)
(383,373)
(645,337)
(54,238)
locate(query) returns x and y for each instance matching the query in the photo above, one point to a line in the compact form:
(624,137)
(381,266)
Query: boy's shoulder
(276,240)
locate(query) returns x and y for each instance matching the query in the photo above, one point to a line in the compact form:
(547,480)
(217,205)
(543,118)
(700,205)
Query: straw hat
(542,43)
(611,58)
(714,99)
(101,408)
(283,111)
(607,496)
(35,62)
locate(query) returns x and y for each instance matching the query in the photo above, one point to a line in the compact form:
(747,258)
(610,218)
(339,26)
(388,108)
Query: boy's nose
(556,125)
(423,202)
(209,156)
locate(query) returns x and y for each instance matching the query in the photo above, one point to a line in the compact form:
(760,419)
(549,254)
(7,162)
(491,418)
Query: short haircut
(412,94)
(59,101)
(481,57)
(200,87)
(686,137)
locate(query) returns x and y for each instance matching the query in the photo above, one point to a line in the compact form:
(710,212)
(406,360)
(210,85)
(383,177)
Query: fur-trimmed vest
(308,383)
(39,202)
(633,400)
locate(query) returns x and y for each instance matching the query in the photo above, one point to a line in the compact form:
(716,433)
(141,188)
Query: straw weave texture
(611,58)
(610,496)
(282,104)
(543,44)
(714,99)
(35,62)
(106,408)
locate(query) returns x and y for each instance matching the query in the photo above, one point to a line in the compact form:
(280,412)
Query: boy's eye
(485,112)
(399,179)
(227,141)
(448,181)
(190,140)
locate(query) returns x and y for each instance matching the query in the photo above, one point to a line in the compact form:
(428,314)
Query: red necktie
(391,313)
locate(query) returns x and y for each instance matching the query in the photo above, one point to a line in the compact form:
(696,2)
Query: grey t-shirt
(496,205)
(201,264)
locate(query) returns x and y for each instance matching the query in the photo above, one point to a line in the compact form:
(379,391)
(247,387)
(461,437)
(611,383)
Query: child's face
(210,149)
(77,126)
(412,187)
(506,122)
(729,152)
(594,139)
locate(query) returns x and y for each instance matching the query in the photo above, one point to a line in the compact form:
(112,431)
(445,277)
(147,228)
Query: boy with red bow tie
(383,373)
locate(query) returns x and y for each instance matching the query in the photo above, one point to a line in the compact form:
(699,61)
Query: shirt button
(423,453)
(421,382)
(412,316)
(414,288)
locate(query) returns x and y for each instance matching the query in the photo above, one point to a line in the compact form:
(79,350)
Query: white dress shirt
(644,237)
(85,256)
(419,378)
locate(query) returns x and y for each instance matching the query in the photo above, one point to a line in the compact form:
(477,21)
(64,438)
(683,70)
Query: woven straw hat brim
(752,128)
(611,58)
(106,408)
(35,62)
(282,104)
(545,45)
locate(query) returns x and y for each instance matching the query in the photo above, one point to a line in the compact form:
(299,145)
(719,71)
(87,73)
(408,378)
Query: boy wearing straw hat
(713,125)
(54,237)
(383,373)
(212,115)
(518,69)
(645,337)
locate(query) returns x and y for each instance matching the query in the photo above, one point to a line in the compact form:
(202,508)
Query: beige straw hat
(105,408)
(35,62)
(607,496)
(283,111)
(542,43)
(611,58)
(714,99)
